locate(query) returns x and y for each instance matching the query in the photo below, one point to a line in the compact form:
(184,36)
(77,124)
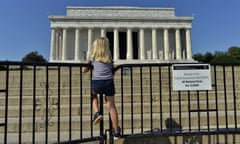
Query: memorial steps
(151,103)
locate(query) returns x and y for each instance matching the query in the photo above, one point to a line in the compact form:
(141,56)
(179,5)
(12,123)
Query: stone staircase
(155,100)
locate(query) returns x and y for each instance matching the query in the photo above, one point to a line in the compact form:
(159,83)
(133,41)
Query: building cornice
(67,18)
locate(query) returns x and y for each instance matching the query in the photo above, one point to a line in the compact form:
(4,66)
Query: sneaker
(97,118)
(117,133)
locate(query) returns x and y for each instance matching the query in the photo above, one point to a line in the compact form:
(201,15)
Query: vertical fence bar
(70,103)
(234,102)
(81,103)
(208,119)
(141,90)
(198,111)
(151,99)
(6,106)
(59,102)
(170,98)
(225,97)
(131,78)
(160,99)
(46,114)
(111,141)
(189,111)
(180,110)
(234,97)
(102,122)
(122,115)
(20,104)
(91,105)
(34,104)
(216,96)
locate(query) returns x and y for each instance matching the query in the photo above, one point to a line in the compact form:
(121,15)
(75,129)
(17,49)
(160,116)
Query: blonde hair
(101,51)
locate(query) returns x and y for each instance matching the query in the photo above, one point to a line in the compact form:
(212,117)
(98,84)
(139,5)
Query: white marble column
(64,44)
(142,44)
(59,45)
(116,44)
(53,45)
(89,42)
(154,43)
(188,44)
(166,45)
(77,45)
(129,44)
(178,44)
(103,32)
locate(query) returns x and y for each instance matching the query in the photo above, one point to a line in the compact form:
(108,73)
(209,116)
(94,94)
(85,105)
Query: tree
(34,57)
(198,57)
(234,51)
(208,56)
(224,58)
(220,53)
(232,55)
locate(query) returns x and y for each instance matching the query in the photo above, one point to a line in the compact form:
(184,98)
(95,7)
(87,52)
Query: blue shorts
(103,86)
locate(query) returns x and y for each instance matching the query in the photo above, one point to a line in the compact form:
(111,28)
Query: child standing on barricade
(102,81)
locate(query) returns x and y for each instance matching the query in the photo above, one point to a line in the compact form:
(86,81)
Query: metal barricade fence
(51,103)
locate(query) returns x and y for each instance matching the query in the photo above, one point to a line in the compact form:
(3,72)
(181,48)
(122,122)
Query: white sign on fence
(191,77)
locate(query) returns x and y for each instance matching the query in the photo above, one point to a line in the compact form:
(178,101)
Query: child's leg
(97,115)
(95,102)
(112,110)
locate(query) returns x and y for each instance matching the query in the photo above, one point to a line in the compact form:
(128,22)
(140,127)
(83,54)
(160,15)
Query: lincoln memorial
(136,34)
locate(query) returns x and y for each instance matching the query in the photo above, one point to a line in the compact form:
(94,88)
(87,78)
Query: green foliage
(2,67)
(231,56)
(208,56)
(224,58)
(234,51)
(33,57)
(198,57)
(218,53)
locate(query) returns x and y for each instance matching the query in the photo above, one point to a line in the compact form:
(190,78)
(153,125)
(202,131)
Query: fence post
(102,122)
(111,141)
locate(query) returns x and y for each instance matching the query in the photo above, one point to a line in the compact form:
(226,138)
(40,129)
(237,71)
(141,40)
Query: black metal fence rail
(205,112)
(50,103)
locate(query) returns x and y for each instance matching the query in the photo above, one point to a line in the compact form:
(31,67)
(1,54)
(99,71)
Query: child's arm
(114,68)
(86,69)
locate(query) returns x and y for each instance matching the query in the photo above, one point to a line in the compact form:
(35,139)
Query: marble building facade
(136,34)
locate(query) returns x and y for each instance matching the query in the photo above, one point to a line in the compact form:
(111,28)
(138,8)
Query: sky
(25,27)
